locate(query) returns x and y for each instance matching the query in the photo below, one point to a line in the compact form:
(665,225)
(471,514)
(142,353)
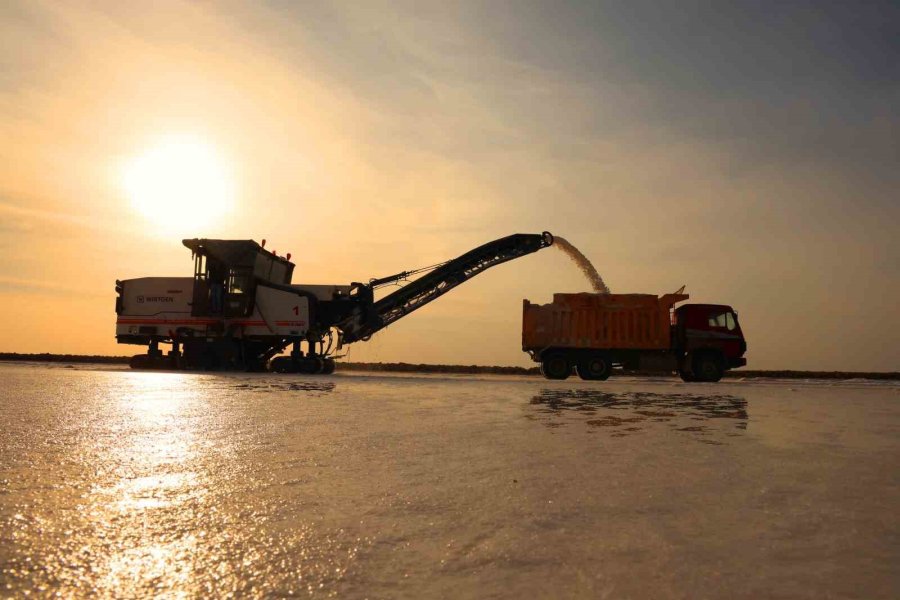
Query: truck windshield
(726,320)
(717,320)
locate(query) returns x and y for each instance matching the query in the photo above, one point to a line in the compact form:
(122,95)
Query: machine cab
(711,327)
(226,273)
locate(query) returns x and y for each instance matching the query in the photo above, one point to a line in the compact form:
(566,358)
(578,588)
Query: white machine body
(161,306)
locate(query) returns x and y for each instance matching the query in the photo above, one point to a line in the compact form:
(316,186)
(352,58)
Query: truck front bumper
(734,363)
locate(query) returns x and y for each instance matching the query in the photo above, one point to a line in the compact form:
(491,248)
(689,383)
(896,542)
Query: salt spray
(583,263)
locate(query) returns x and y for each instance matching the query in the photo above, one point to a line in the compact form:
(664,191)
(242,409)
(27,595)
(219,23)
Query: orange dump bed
(634,321)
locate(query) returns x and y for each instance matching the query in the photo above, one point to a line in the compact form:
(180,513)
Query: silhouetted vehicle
(240,309)
(592,333)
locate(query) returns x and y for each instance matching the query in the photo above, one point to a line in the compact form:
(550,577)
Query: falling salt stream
(583,263)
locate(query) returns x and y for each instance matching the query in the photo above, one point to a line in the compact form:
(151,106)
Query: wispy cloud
(27,215)
(49,288)
(675,143)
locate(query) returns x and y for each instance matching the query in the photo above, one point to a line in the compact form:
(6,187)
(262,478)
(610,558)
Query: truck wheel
(556,366)
(708,367)
(329,366)
(594,368)
(686,375)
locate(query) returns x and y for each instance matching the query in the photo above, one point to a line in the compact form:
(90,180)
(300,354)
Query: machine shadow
(311,387)
(707,418)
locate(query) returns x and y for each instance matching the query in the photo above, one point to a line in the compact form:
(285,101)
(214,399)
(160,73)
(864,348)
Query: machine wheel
(303,365)
(210,361)
(708,367)
(255,366)
(329,366)
(309,366)
(152,361)
(594,368)
(283,364)
(139,361)
(556,366)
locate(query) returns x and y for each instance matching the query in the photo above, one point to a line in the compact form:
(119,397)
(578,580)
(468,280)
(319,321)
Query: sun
(181,183)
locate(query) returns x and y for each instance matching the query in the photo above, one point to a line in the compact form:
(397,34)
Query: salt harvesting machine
(239,310)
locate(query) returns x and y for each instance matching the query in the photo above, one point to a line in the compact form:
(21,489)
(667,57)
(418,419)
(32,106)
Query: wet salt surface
(119,483)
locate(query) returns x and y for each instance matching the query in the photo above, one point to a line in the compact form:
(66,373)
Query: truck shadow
(706,418)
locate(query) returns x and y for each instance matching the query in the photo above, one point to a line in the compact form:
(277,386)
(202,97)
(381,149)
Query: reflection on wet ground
(121,484)
(323,387)
(626,413)
(147,491)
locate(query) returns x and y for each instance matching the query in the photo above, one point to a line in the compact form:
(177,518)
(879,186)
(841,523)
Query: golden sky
(752,157)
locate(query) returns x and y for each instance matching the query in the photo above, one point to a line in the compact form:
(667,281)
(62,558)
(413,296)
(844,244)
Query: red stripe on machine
(144,321)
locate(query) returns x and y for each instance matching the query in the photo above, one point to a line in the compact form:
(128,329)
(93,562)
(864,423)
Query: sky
(747,150)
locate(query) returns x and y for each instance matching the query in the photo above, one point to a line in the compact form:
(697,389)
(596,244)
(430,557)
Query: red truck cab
(710,341)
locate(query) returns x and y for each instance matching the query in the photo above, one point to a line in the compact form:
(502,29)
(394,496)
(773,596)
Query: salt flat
(119,483)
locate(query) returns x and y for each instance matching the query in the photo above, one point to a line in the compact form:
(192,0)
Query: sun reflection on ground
(128,484)
(156,484)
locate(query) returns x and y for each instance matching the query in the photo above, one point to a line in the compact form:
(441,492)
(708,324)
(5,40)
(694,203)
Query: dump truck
(592,333)
(240,308)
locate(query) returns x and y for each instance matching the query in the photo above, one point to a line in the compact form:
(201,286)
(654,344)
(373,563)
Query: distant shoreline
(461,369)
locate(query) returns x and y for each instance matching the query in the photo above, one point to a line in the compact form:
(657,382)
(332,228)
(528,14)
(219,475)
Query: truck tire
(708,367)
(556,366)
(686,375)
(594,368)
